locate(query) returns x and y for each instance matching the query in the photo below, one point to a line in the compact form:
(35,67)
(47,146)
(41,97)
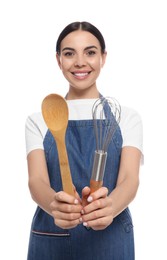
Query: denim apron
(48,241)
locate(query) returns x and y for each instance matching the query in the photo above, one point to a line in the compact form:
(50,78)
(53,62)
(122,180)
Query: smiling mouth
(81,74)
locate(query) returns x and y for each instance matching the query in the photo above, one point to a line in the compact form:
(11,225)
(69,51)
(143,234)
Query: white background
(135,73)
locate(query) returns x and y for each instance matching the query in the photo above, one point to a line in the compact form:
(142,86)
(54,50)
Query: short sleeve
(132,130)
(35,130)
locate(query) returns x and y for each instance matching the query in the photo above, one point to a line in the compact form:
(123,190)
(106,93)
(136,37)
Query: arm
(64,208)
(128,180)
(103,207)
(39,184)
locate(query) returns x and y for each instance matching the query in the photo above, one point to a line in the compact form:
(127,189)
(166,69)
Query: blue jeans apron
(48,241)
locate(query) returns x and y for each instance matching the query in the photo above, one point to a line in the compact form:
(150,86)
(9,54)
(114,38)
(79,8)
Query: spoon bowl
(55,114)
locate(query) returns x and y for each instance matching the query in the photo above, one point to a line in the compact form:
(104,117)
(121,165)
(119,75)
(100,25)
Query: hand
(98,213)
(66,210)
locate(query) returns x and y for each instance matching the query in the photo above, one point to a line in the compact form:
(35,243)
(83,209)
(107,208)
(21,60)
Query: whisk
(106,114)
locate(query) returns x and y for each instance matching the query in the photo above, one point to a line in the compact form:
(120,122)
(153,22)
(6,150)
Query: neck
(82,94)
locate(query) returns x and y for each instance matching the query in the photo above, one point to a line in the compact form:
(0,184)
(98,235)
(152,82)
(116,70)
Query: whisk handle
(95,185)
(99,165)
(98,170)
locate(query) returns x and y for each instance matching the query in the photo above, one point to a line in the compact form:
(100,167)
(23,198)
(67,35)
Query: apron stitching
(50,234)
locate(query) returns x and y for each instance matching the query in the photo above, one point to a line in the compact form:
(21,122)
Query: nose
(80,61)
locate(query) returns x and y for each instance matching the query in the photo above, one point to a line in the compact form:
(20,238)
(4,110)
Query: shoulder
(129,117)
(129,112)
(36,120)
(132,128)
(35,131)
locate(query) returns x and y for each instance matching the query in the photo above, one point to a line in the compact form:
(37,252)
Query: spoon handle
(64,168)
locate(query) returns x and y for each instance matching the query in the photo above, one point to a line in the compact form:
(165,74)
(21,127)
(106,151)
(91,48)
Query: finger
(85,194)
(85,191)
(70,208)
(65,197)
(98,224)
(95,214)
(100,193)
(77,196)
(95,205)
(65,207)
(66,224)
(66,216)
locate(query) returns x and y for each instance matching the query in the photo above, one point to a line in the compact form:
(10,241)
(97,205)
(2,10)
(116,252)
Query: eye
(68,54)
(91,53)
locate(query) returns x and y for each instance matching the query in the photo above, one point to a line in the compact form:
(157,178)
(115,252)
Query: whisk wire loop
(106,113)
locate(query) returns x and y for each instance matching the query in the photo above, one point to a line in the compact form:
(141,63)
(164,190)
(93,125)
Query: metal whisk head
(106,114)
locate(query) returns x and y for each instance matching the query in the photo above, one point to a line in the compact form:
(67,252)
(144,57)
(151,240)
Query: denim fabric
(48,241)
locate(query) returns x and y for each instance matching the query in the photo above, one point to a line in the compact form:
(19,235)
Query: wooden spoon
(55,114)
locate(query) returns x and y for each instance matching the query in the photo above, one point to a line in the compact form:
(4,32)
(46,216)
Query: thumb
(85,194)
(76,194)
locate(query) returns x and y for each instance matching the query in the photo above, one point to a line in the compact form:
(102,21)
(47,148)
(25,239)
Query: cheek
(66,64)
(97,63)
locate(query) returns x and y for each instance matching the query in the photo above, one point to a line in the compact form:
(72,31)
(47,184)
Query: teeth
(81,74)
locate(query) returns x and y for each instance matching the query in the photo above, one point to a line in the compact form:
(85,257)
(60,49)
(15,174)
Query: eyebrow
(72,49)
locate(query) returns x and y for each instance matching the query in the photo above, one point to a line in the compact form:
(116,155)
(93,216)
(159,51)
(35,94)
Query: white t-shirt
(81,109)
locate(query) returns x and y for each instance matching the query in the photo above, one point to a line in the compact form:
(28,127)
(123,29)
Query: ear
(58,60)
(104,55)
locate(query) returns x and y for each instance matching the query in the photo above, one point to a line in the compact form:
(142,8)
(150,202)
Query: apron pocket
(126,220)
(47,245)
(39,233)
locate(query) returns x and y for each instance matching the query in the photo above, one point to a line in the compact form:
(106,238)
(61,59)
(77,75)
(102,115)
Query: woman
(58,228)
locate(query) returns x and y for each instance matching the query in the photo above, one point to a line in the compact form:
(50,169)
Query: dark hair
(84,26)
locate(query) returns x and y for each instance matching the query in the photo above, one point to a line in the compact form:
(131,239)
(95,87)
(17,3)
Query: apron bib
(48,241)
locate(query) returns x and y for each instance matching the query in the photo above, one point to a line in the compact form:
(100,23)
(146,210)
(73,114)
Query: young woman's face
(81,59)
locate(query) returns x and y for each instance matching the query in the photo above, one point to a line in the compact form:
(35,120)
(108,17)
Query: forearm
(128,180)
(123,194)
(41,193)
